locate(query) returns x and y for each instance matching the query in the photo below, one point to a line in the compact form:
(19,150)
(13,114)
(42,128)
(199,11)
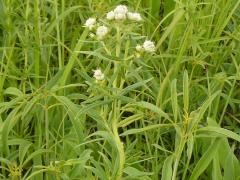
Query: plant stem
(37,41)
(116,105)
(178,156)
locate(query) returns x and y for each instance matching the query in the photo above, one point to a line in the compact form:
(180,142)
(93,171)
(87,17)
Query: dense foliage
(154,95)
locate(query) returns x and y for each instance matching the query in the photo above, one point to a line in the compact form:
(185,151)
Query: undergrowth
(79,102)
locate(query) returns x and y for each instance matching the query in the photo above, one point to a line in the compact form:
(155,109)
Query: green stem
(117,140)
(178,156)
(47,132)
(60,63)
(73,58)
(63,31)
(117,103)
(37,41)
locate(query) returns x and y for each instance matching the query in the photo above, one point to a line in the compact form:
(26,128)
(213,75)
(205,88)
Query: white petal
(139,48)
(101,31)
(120,16)
(110,15)
(149,46)
(122,9)
(90,23)
(98,75)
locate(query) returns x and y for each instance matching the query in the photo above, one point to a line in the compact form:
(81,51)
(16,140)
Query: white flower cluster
(121,13)
(134,16)
(90,23)
(98,75)
(101,31)
(148,46)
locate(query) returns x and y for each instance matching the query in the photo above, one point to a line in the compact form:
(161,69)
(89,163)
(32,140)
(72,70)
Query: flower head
(149,46)
(139,48)
(120,16)
(101,31)
(98,75)
(121,9)
(90,23)
(91,35)
(120,12)
(134,16)
(110,15)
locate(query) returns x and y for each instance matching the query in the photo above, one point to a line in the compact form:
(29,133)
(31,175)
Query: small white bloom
(149,46)
(91,35)
(139,48)
(120,12)
(98,75)
(110,15)
(130,15)
(120,16)
(121,9)
(101,31)
(134,16)
(90,23)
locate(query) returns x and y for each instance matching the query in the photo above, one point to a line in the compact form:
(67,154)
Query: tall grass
(170,115)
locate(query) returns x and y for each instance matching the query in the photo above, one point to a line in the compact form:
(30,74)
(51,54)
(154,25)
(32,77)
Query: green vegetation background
(171,115)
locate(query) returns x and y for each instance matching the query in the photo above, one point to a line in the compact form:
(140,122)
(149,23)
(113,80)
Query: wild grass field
(120,89)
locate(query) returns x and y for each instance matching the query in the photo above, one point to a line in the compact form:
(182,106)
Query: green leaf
(76,118)
(198,115)
(147,128)
(130,120)
(190,143)
(23,148)
(167,168)
(53,81)
(98,170)
(107,136)
(60,17)
(205,160)
(220,131)
(72,59)
(13,91)
(178,15)
(229,170)
(8,125)
(216,171)
(161,148)
(185,91)
(135,86)
(174,100)
(153,108)
(134,173)
(34,154)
